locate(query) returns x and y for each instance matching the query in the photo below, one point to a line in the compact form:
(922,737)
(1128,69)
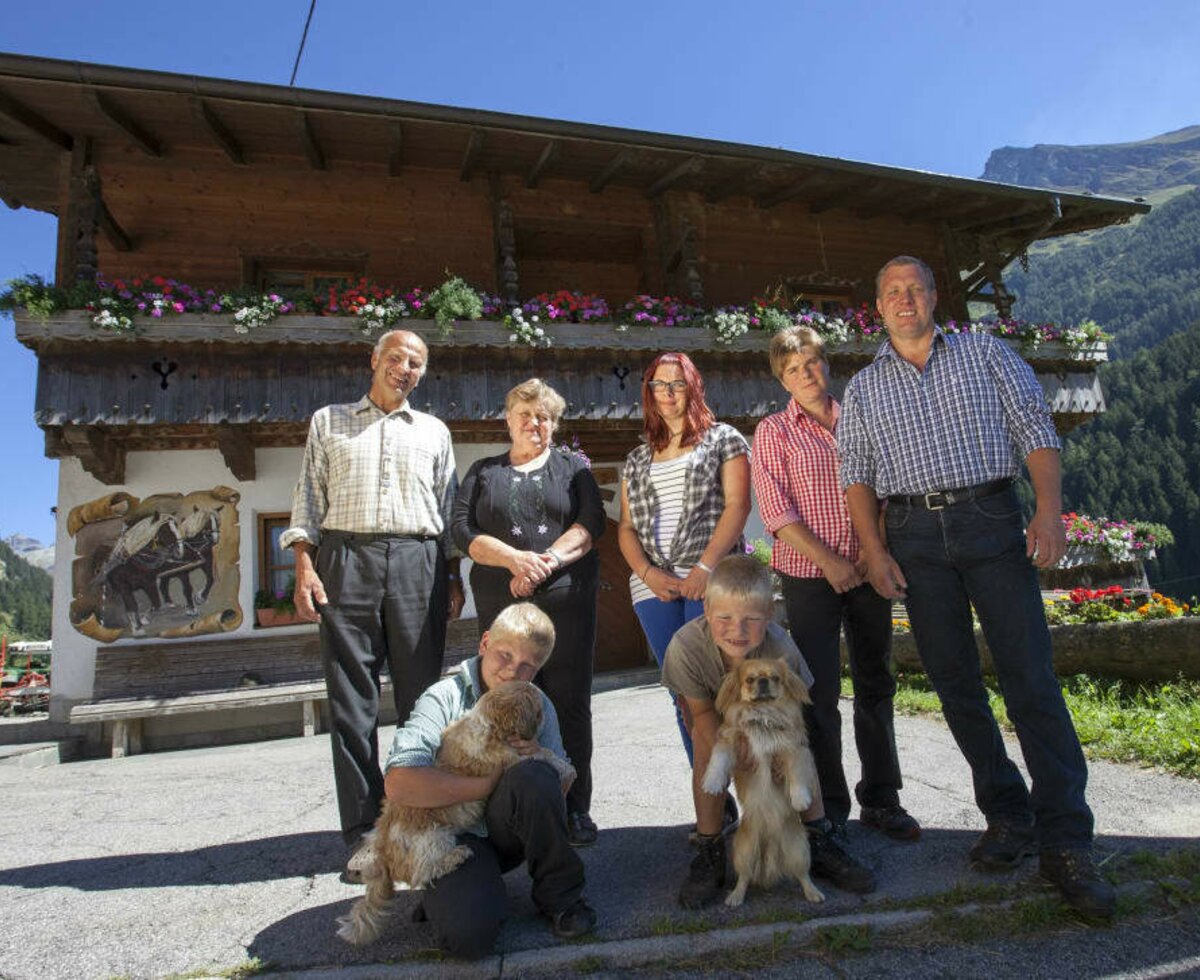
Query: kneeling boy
(525,817)
(737,624)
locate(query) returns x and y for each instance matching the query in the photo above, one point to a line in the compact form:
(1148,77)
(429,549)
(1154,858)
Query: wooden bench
(133,683)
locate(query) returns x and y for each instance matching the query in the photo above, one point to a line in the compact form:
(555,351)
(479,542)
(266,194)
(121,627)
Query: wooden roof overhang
(193,383)
(49,107)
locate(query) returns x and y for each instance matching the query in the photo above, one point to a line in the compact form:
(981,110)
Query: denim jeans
(973,554)
(816,616)
(660,621)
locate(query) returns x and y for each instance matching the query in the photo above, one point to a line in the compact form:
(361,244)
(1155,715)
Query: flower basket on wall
(276,617)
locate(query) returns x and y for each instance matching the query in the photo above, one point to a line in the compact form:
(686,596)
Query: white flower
(516,531)
(542,529)
(539,332)
(512,338)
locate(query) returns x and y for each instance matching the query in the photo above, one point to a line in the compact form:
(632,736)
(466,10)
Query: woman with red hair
(685,497)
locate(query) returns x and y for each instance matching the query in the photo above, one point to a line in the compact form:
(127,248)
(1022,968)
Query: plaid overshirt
(794,463)
(372,472)
(703,499)
(970,417)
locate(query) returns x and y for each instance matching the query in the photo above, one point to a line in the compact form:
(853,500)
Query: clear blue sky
(931,84)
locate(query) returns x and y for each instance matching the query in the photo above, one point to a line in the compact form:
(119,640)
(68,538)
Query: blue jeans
(973,554)
(660,621)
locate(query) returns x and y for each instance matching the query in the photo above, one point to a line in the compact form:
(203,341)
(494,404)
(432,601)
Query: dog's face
(512,709)
(761,681)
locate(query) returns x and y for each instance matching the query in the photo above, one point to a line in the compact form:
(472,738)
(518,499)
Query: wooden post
(310,718)
(505,237)
(78,216)
(956,302)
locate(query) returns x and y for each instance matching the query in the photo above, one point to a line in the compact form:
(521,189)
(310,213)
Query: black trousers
(387,603)
(816,616)
(526,821)
(567,676)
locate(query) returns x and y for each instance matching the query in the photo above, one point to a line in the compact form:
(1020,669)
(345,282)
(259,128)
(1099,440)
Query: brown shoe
(1077,880)
(1003,846)
(893,820)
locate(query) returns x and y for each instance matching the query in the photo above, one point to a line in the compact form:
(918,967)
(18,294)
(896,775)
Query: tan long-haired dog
(417,844)
(761,700)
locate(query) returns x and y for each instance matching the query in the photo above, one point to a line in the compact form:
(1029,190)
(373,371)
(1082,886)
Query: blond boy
(525,817)
(737,624)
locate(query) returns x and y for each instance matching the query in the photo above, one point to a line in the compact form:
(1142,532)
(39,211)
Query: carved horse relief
(163,566)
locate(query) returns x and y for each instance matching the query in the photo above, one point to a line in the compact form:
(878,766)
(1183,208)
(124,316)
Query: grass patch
(250,968)
(838,941)
(744,959)
(667,925)
(1035,914)
(1151,725)
(590,964)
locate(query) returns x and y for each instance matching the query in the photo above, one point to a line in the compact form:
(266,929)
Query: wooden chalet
(230,184)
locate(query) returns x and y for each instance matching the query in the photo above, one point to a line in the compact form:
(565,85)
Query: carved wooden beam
(237,449)
(115,234)
(471,154)
(739,183)
(839,197)
(615,164)
(548,155)
(97,452)
(396,157)
(308,139)
(144,140)
(786,193)
(503,230)
(689,166)
(35,122)
(957,300)
(219,131)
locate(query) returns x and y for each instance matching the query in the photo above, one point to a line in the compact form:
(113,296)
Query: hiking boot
(834,865)
(581,829)
(706,875)
(893,820)
(1077,880)
(574,921)
(1003,846)
(729,822)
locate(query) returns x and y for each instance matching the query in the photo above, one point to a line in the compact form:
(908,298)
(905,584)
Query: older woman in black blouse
(528,519)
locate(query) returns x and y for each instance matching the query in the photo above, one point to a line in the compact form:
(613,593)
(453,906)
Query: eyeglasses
(662,387)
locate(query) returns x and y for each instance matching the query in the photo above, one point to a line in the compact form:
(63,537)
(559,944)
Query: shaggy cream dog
(417,844)
(760,705)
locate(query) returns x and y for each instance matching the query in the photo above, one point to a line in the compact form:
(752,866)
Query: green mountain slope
(24,598)
(1146,168)
(1141,459)
(1141,283)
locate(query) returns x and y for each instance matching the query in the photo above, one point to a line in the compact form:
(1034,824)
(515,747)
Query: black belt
(370,536)
(947,498)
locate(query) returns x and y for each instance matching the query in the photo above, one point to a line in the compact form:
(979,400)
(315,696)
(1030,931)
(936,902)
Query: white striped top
(669,479)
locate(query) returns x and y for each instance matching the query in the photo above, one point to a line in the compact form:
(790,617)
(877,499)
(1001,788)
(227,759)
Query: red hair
(698,418)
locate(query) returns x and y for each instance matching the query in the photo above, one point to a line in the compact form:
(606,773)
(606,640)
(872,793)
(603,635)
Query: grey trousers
(387,604)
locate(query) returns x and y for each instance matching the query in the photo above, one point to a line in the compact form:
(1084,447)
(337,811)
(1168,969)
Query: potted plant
(276,608)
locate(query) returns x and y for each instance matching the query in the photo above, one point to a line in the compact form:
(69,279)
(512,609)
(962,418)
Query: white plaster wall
(183,471)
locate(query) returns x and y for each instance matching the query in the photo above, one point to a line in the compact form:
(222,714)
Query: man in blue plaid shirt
(938,425)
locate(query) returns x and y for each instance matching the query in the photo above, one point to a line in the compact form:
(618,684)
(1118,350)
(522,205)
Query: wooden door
(620,642)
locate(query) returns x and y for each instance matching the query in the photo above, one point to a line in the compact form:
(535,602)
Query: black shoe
(1077,880)
(833,864)
(729,822)
(581,829)
(1003,846)
(896,822)
(574,921)
(706,875)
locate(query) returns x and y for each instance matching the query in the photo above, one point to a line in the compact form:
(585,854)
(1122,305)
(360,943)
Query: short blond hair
(794,340)
(537,391)
(742,579)
(525,622)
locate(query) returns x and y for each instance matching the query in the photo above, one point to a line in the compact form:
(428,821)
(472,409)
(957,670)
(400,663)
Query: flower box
(277,617)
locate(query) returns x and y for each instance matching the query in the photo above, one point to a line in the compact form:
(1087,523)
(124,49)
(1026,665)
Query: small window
(313,274)
(275,564)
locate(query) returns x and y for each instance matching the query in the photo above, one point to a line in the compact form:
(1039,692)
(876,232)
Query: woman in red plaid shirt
(795,473)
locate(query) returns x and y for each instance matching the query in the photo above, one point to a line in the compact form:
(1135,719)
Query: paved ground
(198,860)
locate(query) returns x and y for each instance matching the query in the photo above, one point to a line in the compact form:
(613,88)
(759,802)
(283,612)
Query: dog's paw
(811,892)
(736,897)
(801,798)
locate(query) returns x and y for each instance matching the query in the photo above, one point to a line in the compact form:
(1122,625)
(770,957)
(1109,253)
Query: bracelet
(703,567)
(645,571)
(454,576)
(556,556)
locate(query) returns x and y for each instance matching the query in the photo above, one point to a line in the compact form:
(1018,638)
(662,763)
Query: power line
(303,37)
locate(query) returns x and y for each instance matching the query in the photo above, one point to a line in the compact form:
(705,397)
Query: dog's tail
(367,917)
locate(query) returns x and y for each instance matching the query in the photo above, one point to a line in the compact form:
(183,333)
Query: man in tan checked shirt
(370,535)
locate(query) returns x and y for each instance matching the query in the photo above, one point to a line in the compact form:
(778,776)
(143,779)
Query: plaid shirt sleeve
(1025,410)
(768,469)
(854,441)
(309,502)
